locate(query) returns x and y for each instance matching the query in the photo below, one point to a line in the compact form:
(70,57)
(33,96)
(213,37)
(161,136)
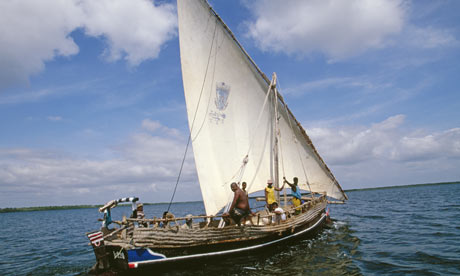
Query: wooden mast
(275,147)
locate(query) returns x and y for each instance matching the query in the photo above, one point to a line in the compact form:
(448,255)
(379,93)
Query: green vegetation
(43,208)
(65,207)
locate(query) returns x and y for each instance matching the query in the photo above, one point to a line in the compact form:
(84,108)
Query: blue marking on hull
(143,254)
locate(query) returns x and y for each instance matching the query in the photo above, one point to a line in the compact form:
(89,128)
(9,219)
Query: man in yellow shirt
(270,194)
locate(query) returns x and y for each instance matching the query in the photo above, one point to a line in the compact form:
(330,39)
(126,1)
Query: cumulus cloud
(337,28)
(340,29)
(34,32)
(135,30)
(145,165)
(386,140)
(389,152)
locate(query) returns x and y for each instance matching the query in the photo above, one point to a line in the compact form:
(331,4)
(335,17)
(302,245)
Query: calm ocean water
(395,231)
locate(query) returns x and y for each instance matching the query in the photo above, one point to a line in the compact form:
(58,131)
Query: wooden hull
(160,247)
(236,248)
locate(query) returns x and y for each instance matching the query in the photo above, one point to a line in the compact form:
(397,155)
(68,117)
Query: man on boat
(279,214)
(244,185)
(270,194)
(240,205)
(141,215)
(295,191)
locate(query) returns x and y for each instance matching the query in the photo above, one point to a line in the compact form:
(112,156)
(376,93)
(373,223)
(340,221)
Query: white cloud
(34,32)
(341,29)
(151,125)
(145,165)
(337,28)
(429,37)
(389,152)
(387,140)
(154,126)
(135,30)
(336,82)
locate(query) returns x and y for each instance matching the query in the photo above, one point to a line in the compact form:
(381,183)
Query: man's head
(269,183)
(140,206)
(188,220)
(296,180)
(244,185)
(275,205)
(234,186)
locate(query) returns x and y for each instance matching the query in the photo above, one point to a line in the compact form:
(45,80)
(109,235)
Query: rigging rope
(194,117)
(240,171)
(245,160)
(210,90)
(260,116)
(297,146)
(298,151)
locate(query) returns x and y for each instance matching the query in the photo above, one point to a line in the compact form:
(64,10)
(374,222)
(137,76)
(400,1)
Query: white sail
(225,94)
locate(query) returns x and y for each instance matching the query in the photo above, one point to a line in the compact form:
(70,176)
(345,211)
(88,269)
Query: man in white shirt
(279,213)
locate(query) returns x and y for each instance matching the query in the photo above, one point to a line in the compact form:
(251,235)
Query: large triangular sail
(225,94)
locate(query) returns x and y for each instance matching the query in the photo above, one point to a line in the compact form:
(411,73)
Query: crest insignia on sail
(221,102)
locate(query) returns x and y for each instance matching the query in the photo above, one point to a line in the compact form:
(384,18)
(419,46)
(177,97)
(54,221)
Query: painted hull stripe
(232,250)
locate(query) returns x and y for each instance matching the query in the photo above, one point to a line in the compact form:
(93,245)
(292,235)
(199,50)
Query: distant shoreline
(69,207)
(402,186)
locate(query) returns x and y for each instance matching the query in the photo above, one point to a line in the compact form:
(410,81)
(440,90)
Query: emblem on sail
(221,102)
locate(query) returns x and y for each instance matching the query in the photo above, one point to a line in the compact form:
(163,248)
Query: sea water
(393,231)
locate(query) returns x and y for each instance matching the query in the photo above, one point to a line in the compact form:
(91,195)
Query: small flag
(96,238)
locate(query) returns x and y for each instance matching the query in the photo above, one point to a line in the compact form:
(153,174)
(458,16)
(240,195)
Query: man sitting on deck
(240,205)
(141,215)
(279,214)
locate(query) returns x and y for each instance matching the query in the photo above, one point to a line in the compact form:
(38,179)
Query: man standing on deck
(270,194)
(244,185)
(240,205)
(296,195)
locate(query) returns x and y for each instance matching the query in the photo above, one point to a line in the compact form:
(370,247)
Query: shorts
(237,214)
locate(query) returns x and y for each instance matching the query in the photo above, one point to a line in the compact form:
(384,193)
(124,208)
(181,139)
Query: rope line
(245,160)
(298,151)
(193,121)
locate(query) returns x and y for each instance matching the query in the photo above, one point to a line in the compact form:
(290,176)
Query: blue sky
(92,106)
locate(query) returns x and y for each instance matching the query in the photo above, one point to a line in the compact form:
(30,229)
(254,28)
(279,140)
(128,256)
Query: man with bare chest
(240,204)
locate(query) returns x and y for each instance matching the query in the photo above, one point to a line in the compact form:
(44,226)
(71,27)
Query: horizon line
(87,206)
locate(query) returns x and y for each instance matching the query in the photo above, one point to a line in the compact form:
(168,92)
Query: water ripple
(399,231)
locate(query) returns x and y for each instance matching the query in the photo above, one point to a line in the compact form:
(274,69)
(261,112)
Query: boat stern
(108,257)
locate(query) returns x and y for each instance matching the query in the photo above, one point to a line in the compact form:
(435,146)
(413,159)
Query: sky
(92,105)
